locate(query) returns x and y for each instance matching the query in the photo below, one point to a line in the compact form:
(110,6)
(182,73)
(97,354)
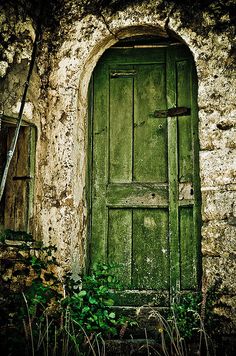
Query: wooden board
(19,190)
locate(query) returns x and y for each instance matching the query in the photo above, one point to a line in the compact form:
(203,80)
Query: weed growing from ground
(49,323)
(47,320)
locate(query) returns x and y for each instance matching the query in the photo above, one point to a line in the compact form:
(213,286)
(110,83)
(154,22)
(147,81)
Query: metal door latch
(180,111)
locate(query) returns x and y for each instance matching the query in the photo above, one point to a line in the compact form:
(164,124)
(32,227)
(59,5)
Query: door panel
(120,243)
(120,140)
(144,173)
(150,249)
(150,138)
(183,71)
(136,195)
(99,167)
(188,249)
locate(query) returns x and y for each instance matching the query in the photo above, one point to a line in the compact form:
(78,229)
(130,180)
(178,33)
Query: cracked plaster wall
(57,104)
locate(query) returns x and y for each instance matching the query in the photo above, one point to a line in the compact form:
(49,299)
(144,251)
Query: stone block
(218,239)
(218,167)
(221,268)
(217,130)
(217,204)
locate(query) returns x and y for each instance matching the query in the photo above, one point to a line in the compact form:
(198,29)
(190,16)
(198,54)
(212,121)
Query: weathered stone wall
(57,104)
(22,262)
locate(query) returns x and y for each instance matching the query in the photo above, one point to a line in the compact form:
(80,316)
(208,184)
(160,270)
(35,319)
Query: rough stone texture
(16,267)
(57,104)
(17,35)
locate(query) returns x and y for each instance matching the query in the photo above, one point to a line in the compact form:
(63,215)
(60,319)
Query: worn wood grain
(16,191)
(119,248)
(137,195)
(173,176)
(150,136)
(120,128)
(98,243)
(185,142)
(188,250)
(150,249)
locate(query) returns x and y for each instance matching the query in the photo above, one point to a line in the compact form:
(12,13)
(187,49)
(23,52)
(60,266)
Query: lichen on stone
(3,68)
(17,35)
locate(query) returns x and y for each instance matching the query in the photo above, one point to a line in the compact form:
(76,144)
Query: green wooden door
(144,171)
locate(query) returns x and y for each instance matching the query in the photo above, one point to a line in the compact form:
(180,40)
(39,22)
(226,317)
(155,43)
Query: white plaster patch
(28,110)
(3,68)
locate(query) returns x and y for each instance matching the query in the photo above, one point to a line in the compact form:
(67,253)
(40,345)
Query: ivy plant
(90,306)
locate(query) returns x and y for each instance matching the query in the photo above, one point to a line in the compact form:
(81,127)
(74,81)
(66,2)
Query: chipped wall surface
(57,104)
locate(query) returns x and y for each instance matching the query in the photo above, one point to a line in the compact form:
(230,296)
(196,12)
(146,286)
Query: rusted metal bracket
(180,111)
(22,177)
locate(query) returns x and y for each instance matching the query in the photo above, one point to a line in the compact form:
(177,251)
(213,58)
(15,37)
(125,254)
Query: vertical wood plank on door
(187,93)
(120,243)
(188,249)
(185,139)
(150,143)
(99,174)
(173,174)
(120,126)
(197,221)
(150,249)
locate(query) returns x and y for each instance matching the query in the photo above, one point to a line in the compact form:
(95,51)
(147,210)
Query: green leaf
(92,300)
(110,279)
(86,309)
(82,293)
(103,289)
(108,302)
(112,315)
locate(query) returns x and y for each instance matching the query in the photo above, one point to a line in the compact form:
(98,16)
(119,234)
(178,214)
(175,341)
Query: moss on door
(145,200)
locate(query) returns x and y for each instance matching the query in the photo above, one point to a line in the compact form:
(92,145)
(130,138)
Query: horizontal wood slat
(141,297)
(137,195)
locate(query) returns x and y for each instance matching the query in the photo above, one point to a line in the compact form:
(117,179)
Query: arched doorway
(145,196)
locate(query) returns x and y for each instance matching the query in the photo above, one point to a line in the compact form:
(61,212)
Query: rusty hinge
(180,111)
